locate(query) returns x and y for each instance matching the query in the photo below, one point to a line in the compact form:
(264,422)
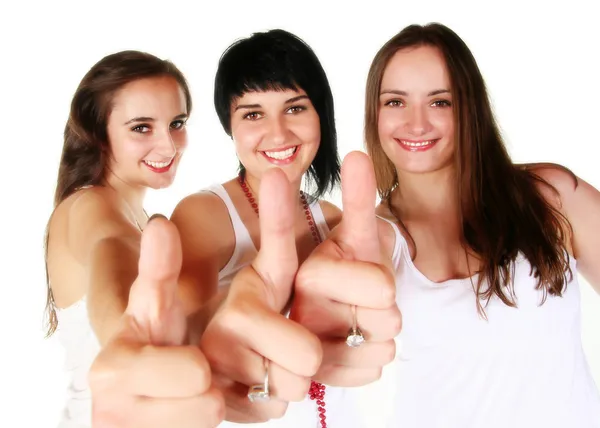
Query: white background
(540,63)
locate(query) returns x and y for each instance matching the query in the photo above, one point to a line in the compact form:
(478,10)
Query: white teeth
(417,144)
(159,164)
(282,154)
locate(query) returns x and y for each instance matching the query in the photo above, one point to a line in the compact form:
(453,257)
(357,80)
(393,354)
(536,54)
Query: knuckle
(304,277)
(300,390)
(388,288)
(396,322)
(277,410)
(389,352)
(212,411)
(200,373)
(377,373)
(314,356)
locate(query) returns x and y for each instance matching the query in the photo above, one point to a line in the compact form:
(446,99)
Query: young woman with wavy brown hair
(125,134)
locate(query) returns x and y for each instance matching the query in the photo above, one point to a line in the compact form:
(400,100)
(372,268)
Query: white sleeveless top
(81,345)
(338,401)
(81,348)
(75,333)
(522,368)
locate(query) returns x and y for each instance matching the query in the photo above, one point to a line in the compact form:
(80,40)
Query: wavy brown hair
(86,148)
(502,210)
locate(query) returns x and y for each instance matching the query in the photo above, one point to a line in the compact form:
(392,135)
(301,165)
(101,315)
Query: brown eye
(178,124)
(394,103)
(142,129)
(252,116)
(442,103)
(296,109)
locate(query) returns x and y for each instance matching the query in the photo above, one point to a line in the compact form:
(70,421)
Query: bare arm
(207,243)
(107,245)
(582,208)
(112,269)
(580,203)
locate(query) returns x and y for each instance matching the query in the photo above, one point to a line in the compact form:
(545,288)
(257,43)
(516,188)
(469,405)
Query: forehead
(151,97)
(420,68)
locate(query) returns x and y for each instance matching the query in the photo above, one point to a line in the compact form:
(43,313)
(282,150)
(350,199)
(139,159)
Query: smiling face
(275,128)
(416,123)
(146,132)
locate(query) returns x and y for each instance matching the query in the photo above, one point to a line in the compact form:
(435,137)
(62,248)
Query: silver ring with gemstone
(260,391)
(355,337)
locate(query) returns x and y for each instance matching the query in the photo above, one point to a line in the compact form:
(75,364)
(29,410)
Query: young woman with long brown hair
(487,251)
(125,133)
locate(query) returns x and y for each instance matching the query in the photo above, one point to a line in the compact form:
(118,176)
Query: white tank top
(81,347)
(522,368)
(340,411)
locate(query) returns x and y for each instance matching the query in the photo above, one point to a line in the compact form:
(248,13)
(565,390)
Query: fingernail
(157,215)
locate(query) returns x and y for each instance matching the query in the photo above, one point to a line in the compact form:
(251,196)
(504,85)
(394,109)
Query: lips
(417,145)
(159,167)
(282,156)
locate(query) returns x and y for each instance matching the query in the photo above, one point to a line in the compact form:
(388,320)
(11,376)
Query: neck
(426,194)
(132,195)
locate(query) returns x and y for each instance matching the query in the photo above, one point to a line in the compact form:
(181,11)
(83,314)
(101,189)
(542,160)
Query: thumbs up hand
(146,376)
(345,291)
(260,359)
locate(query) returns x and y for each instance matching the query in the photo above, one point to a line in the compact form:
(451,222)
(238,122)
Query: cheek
(246,138)
(128,149)
(444,122)
(386,124)
(180,139)
(310,133)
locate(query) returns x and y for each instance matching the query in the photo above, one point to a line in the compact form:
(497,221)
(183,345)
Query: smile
(281,154)
(159,166)
(417,146)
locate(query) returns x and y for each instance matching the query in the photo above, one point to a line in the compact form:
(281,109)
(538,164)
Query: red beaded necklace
(317,390)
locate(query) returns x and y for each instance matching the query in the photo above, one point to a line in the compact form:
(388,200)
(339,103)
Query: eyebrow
(404,93)
(151,119)
(291,100)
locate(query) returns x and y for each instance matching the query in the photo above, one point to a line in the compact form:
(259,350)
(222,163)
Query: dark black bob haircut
(279,60)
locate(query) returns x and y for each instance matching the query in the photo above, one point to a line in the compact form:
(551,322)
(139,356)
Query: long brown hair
(502,210)
(86,146)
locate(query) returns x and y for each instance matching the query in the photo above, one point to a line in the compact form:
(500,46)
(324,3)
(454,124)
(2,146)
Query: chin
(295,173)
(161,183)
(423,168)
(422,165)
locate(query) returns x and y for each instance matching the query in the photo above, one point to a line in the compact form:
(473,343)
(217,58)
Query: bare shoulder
(207,244)
(205,226)
(199,208)
(96,211)
(332,214)
(557,183)
(88,217)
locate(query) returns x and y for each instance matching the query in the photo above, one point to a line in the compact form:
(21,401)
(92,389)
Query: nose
(418,123)
(165,144)
(277,132)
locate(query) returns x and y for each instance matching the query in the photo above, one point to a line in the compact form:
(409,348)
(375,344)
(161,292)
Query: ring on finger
(355,337)
(260,391)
